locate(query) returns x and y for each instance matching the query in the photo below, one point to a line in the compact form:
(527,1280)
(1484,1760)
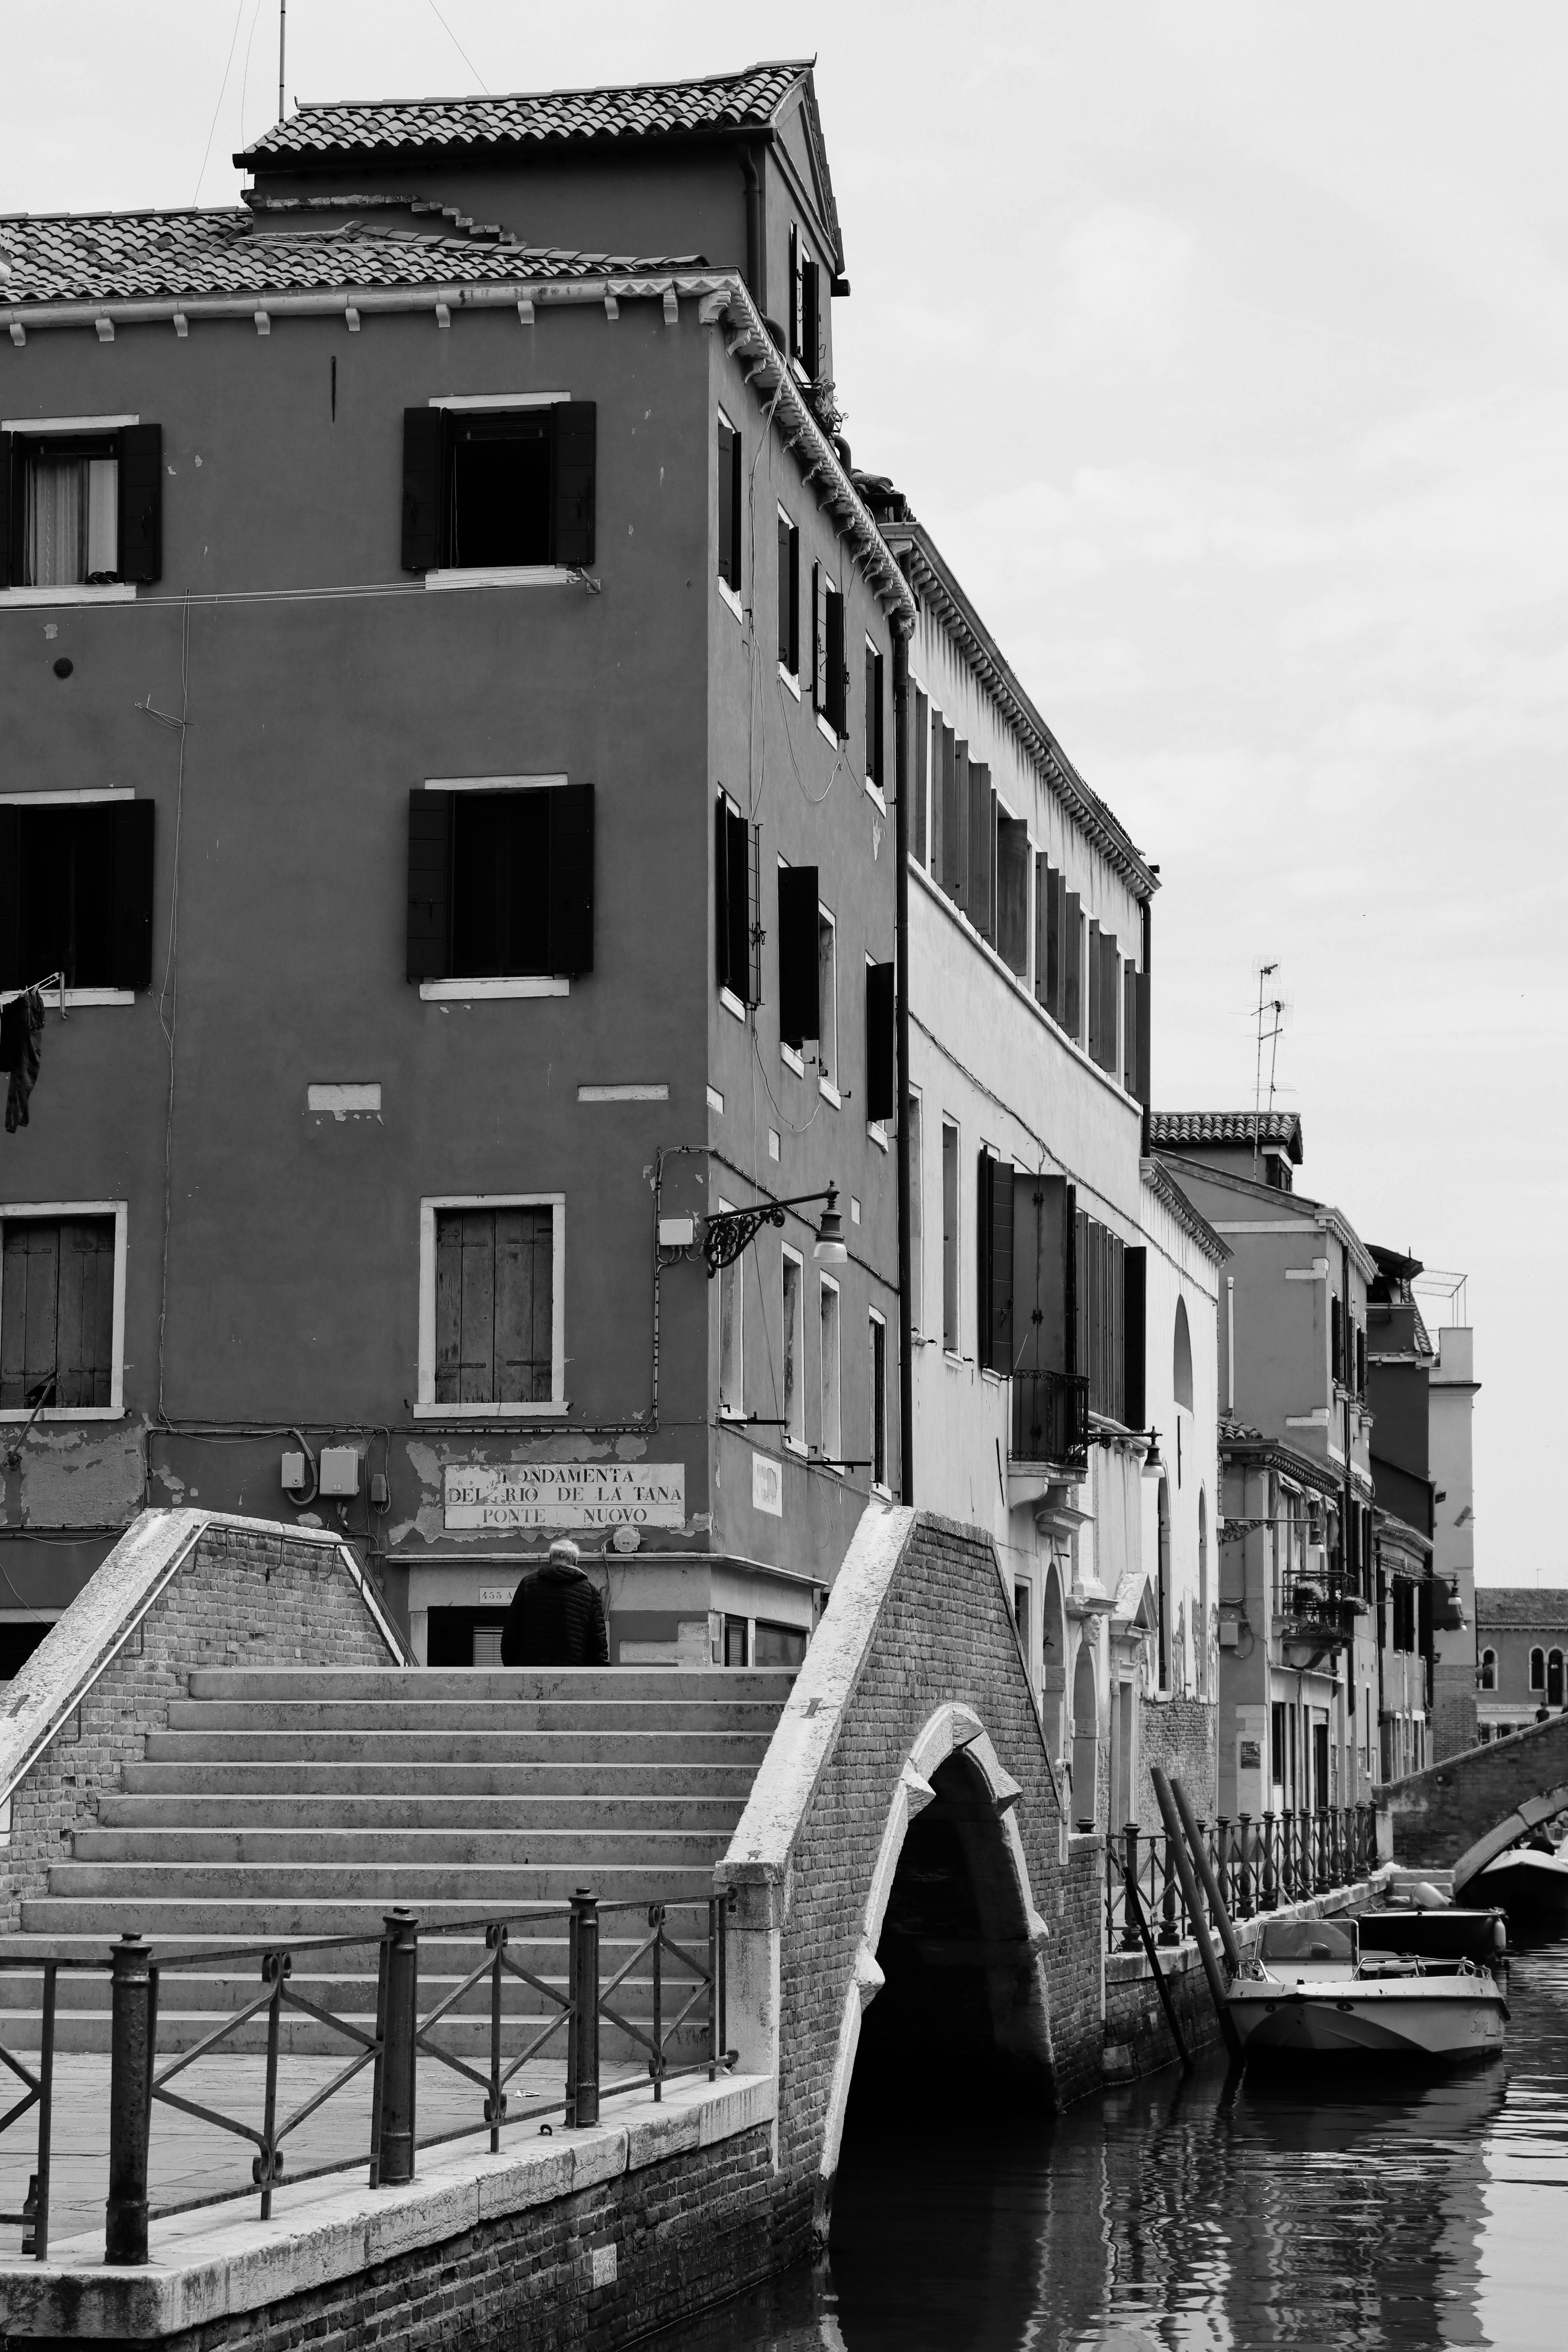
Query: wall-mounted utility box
(293,1475)
(340,1470)
(677,1232)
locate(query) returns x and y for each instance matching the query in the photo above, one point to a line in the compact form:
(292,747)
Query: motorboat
(1311,1991)
(1424,1924)
(1530,1882)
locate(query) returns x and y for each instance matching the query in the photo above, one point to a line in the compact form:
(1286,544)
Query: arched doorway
(1053,1665)
(1182,1357)
(1085,1733)
(960,2015)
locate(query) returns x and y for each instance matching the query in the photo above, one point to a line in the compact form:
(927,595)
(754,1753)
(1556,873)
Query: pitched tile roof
(106,257)
(749,100)
(1502,1608)
(1169,1130)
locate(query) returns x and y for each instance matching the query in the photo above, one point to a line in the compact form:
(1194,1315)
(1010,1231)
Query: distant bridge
(1459,1814)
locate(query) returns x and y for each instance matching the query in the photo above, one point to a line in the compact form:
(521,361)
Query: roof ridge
(578,90)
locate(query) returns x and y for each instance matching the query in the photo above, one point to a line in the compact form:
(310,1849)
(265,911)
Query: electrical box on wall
(293,1473)
(340,1471)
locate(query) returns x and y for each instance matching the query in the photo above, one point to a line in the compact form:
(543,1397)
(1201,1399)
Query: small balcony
(1318,1611)
(1051,1421)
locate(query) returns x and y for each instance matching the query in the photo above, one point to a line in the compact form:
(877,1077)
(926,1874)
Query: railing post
(46,2113)
(1244,1835)
(1170,1922)
(715,1939)
(266,2167)
(582,1990)
(495,2098)
(1268,1877)
(1130,1940)
(130,2100)
(1287,1853)
(395,2150)
(655,2065)
(1225,1867)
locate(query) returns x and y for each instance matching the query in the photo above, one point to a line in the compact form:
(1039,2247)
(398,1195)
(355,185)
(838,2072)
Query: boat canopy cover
(1307,1939)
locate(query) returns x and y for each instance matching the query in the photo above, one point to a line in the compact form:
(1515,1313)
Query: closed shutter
(1071,1015)
(818,641)
(84,1324)
(836,682)
(1110,1000)
(131,945)
(429,946)
(575,490)
(1135,1279)
(423,488)
(10,510)
(923,773)
(1041,1233)
(954,816)
(1116,1327)
(11,973)
(1129,1027)
(811,318)
(982,851)
(881,1048)
(993,1289)
(800,1015)
(1141,1081)
(141,502)
(1336,1341)
(1095,969)
(571,861)
(1080,1274)
(524,1243)
(29,1302)
(795,317)
(1012,893)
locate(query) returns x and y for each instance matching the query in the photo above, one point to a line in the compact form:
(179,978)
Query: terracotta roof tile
(1168,1129)
(1524,1607)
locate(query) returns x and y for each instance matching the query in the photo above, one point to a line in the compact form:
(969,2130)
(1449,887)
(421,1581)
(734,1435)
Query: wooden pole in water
(1205,1868)
(1218,1991)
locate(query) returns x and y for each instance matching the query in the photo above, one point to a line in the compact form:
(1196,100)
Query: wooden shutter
(994,1293)
(11,973)
(818,642)
(141,502)
(84,1321)
(1110,1000)
(954,816)
(1042,1242)
(881,1044)
(922,774)
(729,505)
(1116,1327)
(10,513)
(29,1304)
(571,860)
(982,851)
(1042,924)
(1141,1014)
(1129,1027)
(733,848)
(524,1290)
(811,317)
(1012,893)
(429,955)
(575,459)
(800,1010)
(131,945)
(1094,976)
(423,488)
(795,317)
(838,677)
(1135,1280)
(1071,1014)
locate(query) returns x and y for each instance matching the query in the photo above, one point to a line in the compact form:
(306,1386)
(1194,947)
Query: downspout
(901,997)
(756,241)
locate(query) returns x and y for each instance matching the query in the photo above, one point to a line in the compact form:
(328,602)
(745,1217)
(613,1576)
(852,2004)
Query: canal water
(1205,2213)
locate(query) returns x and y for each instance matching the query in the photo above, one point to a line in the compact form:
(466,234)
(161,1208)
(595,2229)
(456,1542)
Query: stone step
(409,1751)
(390,1850)
(460,1813)
(184,1923)
(130,1888)
(469,1685)
(444,1716)
(302,2036)
(705,1783)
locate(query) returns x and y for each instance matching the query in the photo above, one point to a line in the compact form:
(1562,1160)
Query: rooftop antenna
(282,50)
(1266,972)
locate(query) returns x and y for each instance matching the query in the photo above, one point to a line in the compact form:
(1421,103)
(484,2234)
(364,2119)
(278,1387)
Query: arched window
(1489,1670)
(1554,1678)
(1182,1357)
(1538,1669)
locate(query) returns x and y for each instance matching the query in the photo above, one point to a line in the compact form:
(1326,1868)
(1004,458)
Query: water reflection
(1208,2214)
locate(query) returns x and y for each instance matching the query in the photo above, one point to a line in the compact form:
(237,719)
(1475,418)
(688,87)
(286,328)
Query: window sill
(553,1411)
(830,1093)
(877,1133)
(796,1445)
(828,734)
(792,1060)
(63,1412)
(121,592)
(732,1004)
(456,991)
(76,998)
(731,599)
(501,575)
(789,681)
(878,795)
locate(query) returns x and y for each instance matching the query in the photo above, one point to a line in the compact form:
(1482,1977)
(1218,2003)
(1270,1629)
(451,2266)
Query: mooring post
(1219,1913)
(582,1990)
(1218,1990)
(130,2099)
(399,2052)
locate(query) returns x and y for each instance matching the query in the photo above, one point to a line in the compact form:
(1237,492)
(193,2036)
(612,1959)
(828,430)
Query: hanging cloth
(21,1027)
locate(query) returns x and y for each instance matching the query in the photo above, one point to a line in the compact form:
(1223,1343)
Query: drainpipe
(902,1108)
(756,241)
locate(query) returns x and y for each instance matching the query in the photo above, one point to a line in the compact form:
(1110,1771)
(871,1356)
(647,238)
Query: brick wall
(1438,1813)
(1178,1734)
(242,1597)
(1456,1717)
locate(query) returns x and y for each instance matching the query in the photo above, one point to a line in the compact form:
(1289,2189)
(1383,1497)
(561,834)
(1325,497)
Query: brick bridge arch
(914,1712)
(1462,1812)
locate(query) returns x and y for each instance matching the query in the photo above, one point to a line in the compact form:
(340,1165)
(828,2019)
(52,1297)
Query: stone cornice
(1165,1187)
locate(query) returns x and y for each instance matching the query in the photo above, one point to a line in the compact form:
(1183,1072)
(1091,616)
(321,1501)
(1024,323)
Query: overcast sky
(1222,349)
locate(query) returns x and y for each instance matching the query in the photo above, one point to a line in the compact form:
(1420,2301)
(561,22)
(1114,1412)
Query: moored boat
(1530,1882)
(1434,1932)
(1311,1991)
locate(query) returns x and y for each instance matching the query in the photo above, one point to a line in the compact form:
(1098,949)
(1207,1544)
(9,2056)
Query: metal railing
(1260,1862)
(1050,1417)
(684,1992)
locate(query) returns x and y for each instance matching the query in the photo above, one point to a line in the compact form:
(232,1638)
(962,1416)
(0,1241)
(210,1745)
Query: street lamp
(729,1230)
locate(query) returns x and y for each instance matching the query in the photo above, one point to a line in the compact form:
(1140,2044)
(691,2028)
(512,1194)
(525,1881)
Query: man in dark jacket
(556,1617)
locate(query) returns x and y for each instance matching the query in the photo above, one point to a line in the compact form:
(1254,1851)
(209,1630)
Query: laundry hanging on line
(21,1029)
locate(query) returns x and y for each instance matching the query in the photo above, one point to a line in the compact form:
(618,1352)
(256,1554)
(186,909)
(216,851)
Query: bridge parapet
(1461,1812)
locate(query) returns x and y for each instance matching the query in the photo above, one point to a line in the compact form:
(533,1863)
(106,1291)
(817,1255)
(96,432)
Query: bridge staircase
(286,1803)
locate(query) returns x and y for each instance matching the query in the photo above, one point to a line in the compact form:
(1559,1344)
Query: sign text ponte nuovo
(490,1494)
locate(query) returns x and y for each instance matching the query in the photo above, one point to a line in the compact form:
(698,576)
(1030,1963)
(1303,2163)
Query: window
(1058,947)
(993,1283)
(500,881)
(1336,1341)
(874,701)
(878,1333)
(735,903)
(882,1043)
(831,1446)
(736,1630)
(789,596)
(806,309)
(917,1213)
(731,1334)
(794,1351)
(491,1306)
(1101,1317)
(1182,1357)
(76,892)
(81,509)
(1537,1670)
(800,1015)
(499,486)
(1013,894)
(949,1205)
(921,830)
(830,685)
(1489,1670)
(779,1647)
(1104,992)
(730,494)
(62,1309)
(828,1001)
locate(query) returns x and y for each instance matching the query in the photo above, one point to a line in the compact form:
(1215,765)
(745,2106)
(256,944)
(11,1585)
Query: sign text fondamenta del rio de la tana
(565,1494)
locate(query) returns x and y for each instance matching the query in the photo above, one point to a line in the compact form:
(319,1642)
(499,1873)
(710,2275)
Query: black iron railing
(1050,1418)
(1259,1863)
(671,1989)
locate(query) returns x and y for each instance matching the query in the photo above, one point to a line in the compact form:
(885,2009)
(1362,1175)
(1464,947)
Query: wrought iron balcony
(1050,1419)
(1320,1609)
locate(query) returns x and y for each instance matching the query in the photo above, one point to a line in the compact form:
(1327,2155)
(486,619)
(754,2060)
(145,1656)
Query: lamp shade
(830,1249)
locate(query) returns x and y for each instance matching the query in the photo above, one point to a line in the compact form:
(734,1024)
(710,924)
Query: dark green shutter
(571,879)
(429,886)
(881,1092)
(800,1009)
(575,490)
(131,950)
(11,973)
(141,502)
(423,488)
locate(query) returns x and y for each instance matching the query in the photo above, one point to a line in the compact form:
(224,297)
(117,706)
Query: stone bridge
(1461,1813)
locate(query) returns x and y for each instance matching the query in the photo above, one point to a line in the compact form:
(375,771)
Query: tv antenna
(1274,1010)
(282,51)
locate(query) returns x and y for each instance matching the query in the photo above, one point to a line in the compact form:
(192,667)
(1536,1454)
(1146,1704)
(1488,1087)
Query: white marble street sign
(488,1495)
